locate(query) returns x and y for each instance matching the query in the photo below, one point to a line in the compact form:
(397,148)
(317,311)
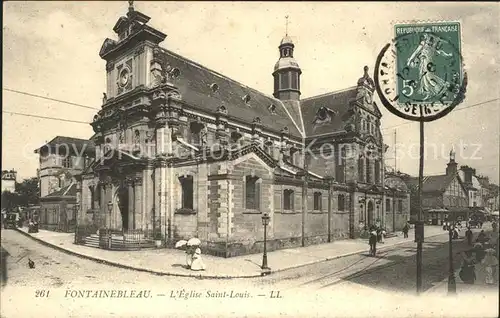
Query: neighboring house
(9,179)
(493,195)
(60,160)
(397,201)
(444,197)
(187,151)
(472,185)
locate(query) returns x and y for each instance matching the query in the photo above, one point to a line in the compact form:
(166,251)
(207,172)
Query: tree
(28,191)
(10,200)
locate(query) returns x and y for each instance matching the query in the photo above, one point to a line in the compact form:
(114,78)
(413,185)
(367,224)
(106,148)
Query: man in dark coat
(406,228)
(373,243)
(469,235)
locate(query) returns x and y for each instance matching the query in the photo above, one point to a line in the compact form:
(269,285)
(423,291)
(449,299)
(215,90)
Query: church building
(183,151)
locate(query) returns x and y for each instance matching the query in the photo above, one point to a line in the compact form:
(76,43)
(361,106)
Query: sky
(51,49)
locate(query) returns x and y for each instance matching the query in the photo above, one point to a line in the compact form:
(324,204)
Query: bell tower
(287,71)
(127,65)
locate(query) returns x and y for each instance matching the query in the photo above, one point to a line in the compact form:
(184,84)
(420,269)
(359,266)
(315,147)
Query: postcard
(250,159)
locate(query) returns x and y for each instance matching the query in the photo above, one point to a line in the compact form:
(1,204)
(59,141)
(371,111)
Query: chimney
(468,173)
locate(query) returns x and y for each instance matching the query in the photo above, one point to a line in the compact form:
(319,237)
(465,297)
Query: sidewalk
(170,261)
(478,288)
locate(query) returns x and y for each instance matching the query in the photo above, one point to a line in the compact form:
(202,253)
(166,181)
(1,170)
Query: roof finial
(286,25)
(130,5)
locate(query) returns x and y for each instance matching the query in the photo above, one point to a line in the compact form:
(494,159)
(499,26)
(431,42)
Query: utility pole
(419,226)
(395,158)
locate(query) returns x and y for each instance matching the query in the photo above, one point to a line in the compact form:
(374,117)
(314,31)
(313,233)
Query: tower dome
(286,72)
(286,40)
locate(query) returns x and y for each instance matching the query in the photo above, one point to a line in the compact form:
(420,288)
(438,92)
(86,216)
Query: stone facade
(186,152)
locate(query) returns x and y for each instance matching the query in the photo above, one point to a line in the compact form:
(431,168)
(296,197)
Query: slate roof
(337,102)
(437,183)
(72,143)
(194,84)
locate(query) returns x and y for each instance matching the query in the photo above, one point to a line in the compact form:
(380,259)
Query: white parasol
(194,241)
(490,250)
(180,244)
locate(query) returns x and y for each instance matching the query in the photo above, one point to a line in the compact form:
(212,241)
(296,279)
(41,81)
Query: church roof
(73,144)
(336,104)
(195,85)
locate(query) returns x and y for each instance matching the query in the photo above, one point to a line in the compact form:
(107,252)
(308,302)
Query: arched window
(252,193)
(317,201)
(187,192)
(361,169)
(377,171)
(340,173)
(368,171)
(288,199)
(400,206)
(387,205)
(341,202)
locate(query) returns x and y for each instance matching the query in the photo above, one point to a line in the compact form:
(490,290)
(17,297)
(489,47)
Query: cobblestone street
(390,275)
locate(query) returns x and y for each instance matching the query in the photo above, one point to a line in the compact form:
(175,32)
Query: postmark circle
(419,76)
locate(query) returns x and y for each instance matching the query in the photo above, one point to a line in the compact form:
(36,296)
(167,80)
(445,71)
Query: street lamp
(110,209)
(77,207)
(452,285)
(265,221)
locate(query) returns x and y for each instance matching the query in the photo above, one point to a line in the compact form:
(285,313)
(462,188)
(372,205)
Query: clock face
(124,77)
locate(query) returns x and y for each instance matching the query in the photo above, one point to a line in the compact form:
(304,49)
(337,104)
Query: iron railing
(114,239)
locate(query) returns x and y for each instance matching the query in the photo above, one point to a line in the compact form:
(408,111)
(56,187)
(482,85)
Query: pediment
(106,46)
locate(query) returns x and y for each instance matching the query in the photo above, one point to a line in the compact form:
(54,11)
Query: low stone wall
(232,249)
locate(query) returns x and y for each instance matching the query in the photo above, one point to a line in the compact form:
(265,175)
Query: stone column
(131,204)
(149,197)
(202,206)
(138,209)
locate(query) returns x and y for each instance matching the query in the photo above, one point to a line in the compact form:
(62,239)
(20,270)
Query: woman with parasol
(196,261)
(193,253)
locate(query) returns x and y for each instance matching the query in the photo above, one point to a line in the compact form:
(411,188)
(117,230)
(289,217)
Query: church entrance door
(370,213)
(122,197)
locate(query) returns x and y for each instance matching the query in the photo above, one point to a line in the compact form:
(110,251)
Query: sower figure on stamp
(430,83)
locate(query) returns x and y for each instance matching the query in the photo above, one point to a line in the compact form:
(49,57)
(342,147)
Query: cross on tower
(286,25)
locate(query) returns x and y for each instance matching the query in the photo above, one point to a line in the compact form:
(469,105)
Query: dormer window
(272,109)
(246,99)
(214,87)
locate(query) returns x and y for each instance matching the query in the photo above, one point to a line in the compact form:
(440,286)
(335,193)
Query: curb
(139,269)
(199,276)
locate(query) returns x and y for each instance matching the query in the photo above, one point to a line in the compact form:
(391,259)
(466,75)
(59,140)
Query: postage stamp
(428,62)
(419,75)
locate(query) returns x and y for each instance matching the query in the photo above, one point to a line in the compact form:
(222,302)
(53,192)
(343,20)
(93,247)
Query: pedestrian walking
(467,272)
(373,243)
(482,237)
(406,228)
(494,226)
(479,251)
(469,236)
(490,263)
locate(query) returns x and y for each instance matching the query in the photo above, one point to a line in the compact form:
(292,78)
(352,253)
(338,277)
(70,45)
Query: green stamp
(428,63)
